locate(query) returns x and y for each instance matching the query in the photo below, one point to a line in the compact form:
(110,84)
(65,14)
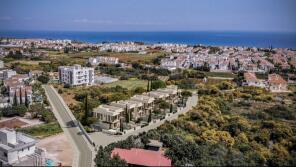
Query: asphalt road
(65,119)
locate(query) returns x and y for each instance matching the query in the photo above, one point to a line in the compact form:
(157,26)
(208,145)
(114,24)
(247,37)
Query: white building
(101,59)
(76,75)
(5,74)
(16,146)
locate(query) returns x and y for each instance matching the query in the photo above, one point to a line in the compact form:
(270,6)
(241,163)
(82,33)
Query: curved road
(65,119)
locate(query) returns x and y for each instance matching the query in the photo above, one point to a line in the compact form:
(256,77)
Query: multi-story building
(135,108)
(16,146)
(76,75)
(18,91)
(109,116)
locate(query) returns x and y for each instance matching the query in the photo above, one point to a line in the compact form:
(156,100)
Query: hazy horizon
(148,16)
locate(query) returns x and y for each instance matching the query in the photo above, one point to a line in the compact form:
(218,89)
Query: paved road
(65,117)
(104,139)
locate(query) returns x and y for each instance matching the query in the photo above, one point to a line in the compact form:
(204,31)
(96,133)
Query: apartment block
(76,75)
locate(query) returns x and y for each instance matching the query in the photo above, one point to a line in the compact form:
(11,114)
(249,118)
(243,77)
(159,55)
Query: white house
(76,75)
(250,79)
(109,116)
(14,146)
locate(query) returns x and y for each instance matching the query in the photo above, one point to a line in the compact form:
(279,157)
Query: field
(42,131)
(129,84)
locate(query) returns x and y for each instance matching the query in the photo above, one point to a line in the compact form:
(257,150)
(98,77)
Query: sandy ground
(57,148)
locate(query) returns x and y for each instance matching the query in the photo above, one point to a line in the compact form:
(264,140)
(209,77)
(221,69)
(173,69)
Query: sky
(148,15)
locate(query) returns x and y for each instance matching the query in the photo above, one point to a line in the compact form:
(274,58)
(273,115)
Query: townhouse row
(137,106)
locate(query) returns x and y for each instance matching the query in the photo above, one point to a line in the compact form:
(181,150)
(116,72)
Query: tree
(43,79)
(26,99)
(127,116)
(86,111)
(150,116)
(21,98)
(157,84)
(148,86)
(121,125)
(15,99)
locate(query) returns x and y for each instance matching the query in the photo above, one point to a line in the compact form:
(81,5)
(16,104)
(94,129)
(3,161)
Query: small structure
(154,145)
(277,83)
(141,157)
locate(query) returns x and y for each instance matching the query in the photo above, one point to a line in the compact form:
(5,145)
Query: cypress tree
(26,99)
(121,125)
(171,108)
(126,115)
(148,86)
(15,99)
(149,117)
(86,111)
(21,99)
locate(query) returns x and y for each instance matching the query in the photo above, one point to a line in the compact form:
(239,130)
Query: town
(112,92)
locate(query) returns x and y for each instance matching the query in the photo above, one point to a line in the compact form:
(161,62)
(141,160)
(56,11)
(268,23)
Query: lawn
(43,130)
(129,84)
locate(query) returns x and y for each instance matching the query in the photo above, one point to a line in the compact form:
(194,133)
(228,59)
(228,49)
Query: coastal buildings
(76,75)
(16,147)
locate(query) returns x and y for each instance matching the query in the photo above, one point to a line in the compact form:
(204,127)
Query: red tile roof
(250,76)
(142,157)
(276,79)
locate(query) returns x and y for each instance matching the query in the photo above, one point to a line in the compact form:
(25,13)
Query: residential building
(277,83)
(252,80)
(76,75)
(135,108)
(5,74)
(147,101)
(17,89)
(109,116)
(142,157)
(16,146)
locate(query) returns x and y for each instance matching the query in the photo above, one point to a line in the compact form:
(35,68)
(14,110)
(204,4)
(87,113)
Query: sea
(208,38)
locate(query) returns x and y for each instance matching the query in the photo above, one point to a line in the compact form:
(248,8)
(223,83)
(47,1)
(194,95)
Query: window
(5,154)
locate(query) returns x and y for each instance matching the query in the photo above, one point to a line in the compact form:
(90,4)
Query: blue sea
(250,39)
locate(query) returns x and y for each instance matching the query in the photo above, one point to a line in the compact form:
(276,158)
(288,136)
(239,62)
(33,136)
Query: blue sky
(148,15)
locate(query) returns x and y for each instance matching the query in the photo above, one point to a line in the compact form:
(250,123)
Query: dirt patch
(58,149)
(12,123)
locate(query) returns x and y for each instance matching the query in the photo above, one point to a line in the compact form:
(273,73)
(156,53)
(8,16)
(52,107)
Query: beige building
(109,115)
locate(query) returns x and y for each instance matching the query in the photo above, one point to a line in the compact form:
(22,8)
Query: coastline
(206,38)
